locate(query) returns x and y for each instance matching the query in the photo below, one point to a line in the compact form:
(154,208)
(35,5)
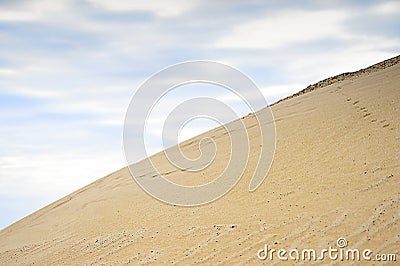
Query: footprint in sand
(368,114)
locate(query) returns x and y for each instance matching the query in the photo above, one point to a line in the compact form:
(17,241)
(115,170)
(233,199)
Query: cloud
(32,10)
(7,72)
(387,8)
(158,7)
(286,28)
(40,93)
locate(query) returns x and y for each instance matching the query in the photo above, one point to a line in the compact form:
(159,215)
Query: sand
(335,174)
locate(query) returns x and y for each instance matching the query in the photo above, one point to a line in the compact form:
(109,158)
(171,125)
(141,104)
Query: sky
(69,68)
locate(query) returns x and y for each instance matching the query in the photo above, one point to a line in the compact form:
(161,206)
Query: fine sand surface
(336,173)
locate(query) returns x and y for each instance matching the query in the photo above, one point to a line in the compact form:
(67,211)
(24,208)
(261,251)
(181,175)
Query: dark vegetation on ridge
(344,76)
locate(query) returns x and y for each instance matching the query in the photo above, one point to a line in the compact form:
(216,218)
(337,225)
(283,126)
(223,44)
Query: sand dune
(335,174)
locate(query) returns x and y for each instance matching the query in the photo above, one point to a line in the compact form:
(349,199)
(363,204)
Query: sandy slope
(335,174)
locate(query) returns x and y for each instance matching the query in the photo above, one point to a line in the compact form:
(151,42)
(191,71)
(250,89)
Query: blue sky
(69,68)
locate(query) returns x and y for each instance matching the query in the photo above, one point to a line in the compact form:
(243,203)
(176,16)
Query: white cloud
(195,126)
(53,174)
(17,15)
(273,93)
(40,93)
(7,72)
(159,7)
(33,11)
(387,8)
(286,28)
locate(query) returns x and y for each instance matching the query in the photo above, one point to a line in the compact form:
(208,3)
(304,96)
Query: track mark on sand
(366,115)
(380,182)
(214,234)
(383,217)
